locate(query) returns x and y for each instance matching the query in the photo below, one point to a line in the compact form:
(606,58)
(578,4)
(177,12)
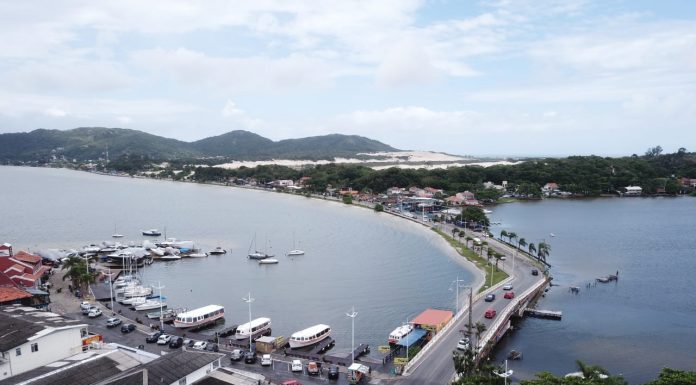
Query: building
(549,188)
(182,367)
(30,338)
(5,250)
(11,293)
(633,190)
(465,198)
(24,269)
(432,320)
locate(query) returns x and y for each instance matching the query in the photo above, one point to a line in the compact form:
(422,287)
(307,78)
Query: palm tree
(468,239)
(512,236)
(531,248)
(543,251)
(503,233)
(521,243)
(461,235)
(77,272)
(483,244)
(480,328)
(498,257)
(455,231)
(490,254)
(591,372)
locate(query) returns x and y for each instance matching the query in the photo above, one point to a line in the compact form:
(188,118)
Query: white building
(634,190)
(31,338)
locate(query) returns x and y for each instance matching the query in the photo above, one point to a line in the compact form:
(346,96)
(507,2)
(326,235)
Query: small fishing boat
(169,257)
(217,251)
(268,261)
(400,332)
(150,304)
(152,233)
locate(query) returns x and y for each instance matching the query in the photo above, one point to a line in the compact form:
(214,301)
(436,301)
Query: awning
(411,338)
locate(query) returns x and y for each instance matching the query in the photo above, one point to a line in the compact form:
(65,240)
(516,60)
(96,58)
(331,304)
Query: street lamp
(111,290)
(249,300)
(161,317)
(457,283)
(352,316)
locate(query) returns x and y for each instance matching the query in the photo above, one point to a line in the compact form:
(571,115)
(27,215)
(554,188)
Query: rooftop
(18,323)
(167,368)
(432,317)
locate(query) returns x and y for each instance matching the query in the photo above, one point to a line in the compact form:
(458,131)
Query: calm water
(635,327)
(388,269)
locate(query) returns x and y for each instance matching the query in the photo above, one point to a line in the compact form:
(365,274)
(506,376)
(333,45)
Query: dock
(546,314)
(315,353)
(346,360)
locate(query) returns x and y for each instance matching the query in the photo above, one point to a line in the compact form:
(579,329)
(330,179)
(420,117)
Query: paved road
(437,367)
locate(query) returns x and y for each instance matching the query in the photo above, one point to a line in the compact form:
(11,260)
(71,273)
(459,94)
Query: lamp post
(111,290)
(352,316)
(249,300)
(457,282)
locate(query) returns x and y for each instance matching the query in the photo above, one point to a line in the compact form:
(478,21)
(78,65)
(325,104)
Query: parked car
(463,344)
(333,372)
(312,368)
(212,347)
(296,366)
(535,272)
(200,345)
(266,360)
(509,295)
(176,342)
(113,322)
(164,339)
(236,355)
(94,313)
(189,342)
(86,310)
(490,313)
(507,287)
(84,305)
(490,298)
(250,357)
(153,337)
(127,328)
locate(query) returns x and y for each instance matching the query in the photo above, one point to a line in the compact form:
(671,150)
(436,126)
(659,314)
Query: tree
(503,234)
(468,239)
(348,199)
(512,236)
(592,372)
(78,272)
(674,377)
(471,214)
(379,208)
(498,257)
(521,243)
(543,251)
(531,248)
(653,152)
(490,254)
(454,232)
(479,327)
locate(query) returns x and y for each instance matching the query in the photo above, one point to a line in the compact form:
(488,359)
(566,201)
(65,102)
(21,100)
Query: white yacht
(218,251)
(150,304)
(310,336)
(268,261)
(152,233)
(397,334)
(255,328)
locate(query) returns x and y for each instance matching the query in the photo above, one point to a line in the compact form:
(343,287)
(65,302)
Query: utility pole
(161,317)
(352,315)
(469,325)
(249,300)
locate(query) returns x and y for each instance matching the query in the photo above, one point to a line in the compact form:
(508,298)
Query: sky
(498,77)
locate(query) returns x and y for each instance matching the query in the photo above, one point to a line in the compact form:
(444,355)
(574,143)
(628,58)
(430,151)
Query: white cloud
(55,112)
(124,119)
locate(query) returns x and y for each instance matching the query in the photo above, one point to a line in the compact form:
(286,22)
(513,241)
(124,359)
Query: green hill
(87,143)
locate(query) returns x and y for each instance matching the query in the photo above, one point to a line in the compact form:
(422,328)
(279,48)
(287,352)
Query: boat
(152,233)
(400,332)
(552,235)
(257,254)
(254,328)
(196,253)
(169,257)
(487,211)
(268,261)
(310,336)
(150,304)
(295,250)
(164,313)
(133,301)
(199,317)
(217,251)
(116,234)
(91,249)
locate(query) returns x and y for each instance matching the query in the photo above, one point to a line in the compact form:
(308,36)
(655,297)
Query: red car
(509,295)
(490,313)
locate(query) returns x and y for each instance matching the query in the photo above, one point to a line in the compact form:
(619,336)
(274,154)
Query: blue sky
(499,77)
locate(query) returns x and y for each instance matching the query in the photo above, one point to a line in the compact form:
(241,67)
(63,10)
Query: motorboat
(152,233)
(252,329)
(91,249)
(268,261)
(132,300)
(196,254)
(158,314)
(117,235)
(169,257)
(258,255)
(400,332)
(295,252)
(150,304)
(217,251)
(199,317)
(310,336)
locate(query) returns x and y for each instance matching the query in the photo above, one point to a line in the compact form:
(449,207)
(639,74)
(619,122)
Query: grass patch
(479,261)
(507,200)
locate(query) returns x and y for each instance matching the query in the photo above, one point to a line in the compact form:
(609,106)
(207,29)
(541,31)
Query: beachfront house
(30,338)
(633,190)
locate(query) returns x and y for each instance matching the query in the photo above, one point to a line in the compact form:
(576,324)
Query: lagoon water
(389,269)
(636,326)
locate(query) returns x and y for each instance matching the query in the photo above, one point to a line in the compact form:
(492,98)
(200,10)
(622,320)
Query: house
(31,338)
(395,191)
(433,191)
(633,190)
(24,269)
(432,319)
(492,185)
(5,250)
(11,293)
(283,183)
(549,188)
(466,198)
(304,181)
(420,193)
(181,367)
(348,191)
(687,182)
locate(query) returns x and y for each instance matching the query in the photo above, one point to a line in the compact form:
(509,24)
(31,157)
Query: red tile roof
(27,257)
(8,294)
(433,317)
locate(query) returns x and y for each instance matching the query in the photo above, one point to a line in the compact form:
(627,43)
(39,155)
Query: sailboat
(295,250)
(116,234)
(256,254)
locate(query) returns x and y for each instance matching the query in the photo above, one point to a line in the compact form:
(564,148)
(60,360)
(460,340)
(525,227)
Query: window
(18,351)
(34,347)
(182,381)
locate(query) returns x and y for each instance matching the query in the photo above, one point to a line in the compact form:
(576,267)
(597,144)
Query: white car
(94,313)
(463,344)
(266,360)
(507,287)
(164,339)
(84,305)
(296,366)
(200,345)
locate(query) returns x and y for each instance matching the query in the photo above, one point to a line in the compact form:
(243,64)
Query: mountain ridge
(85,143)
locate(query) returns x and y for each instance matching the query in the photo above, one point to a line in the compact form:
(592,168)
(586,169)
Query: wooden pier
(546,314)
